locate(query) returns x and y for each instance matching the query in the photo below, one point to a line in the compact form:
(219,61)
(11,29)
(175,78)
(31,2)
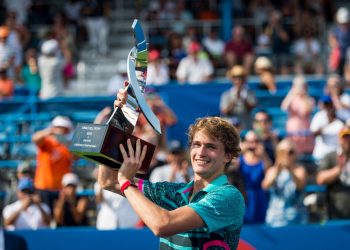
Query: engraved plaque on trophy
(100,142)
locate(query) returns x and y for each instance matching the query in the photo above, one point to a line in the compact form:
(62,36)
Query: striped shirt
(220,205)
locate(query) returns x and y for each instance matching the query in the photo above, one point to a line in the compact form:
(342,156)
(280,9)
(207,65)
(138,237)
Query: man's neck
(201,182)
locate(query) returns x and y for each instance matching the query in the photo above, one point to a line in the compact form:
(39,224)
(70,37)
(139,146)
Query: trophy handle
(138,79)
(146,110)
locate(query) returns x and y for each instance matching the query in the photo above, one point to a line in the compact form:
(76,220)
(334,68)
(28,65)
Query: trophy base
(100,143)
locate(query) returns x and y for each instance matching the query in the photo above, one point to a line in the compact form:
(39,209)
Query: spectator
(28,212)
(51,70)
(95,14)
(72,9)
(339,38)
(263,129)
(308,55)
(341,100)
(264,69)
(8,54)
(299,105)
(157,69)
(113,211)
(19,36)
(238,100)
(280,41)
(239,50)
(63,34)
(30,71)
(285,182)
(215,47)
(6,85)
(252,165)
(193,69)
(18,39)
(177,169)
(325,126)
(23,171)
(70,210)
(176,53)
(334,171)
(53,158)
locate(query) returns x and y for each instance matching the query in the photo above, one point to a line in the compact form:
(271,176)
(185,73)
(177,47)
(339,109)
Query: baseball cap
(326,99)
(236,70)
(70,179)
(25,184)
(49,47)
(344,131)
(153,55)
(263,63)
(194,47)
(62,121)
(175,147)
(343,15)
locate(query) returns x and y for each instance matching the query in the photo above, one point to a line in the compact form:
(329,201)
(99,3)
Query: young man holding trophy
(206,212)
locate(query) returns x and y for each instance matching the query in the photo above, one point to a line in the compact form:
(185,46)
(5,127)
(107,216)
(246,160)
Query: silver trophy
(100,142)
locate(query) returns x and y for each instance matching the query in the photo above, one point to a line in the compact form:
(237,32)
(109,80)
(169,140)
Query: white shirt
(194,72)
(216,47)
(328,141)
(114,211)
(31,218)
(157,75)
(50,69)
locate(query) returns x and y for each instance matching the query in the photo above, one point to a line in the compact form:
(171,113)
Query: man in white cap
(51,70)
(53,158)
(70,210)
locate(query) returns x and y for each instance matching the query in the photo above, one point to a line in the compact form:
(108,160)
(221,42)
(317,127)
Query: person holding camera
(285,182)
(251,166)
(28,212)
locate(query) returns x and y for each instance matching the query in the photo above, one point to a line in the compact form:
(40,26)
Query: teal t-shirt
(220,205)
(31,80)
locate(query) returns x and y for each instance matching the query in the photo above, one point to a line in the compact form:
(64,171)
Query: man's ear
(228,157)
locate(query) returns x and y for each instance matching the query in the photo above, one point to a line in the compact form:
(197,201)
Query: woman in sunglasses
(285,181)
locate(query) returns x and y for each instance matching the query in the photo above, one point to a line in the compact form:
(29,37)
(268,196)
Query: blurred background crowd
(292,171)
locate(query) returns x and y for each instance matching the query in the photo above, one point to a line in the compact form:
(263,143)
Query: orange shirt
(53,161)
(6,88)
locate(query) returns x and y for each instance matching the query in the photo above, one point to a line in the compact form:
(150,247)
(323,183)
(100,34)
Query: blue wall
(335,235)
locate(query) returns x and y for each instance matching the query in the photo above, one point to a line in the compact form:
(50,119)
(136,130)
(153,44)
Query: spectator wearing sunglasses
(285,182)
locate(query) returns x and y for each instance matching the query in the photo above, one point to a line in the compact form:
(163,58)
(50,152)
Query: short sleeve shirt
(220,205)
